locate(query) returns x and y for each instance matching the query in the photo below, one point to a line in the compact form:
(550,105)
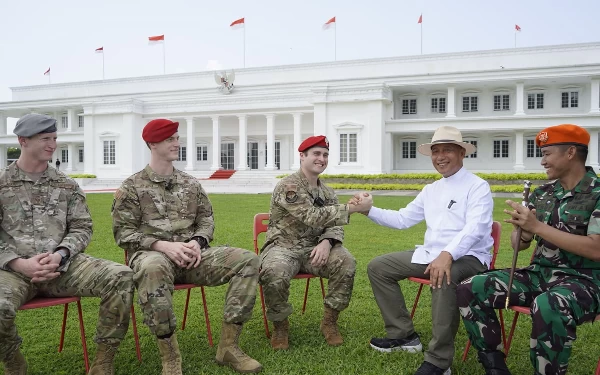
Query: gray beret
(33,123)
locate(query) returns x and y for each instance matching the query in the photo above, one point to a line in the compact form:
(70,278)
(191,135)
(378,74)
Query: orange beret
(158,130)
(314,141)
(565,134)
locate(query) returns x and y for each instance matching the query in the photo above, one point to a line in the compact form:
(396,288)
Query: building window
(409,150)
(182,154)
(409,106)
(535,100)
(501,148)
(570,99)
(201,153)
(469,104)
(64,156)
(81,120)
(64,121)
(109,153)
(81,155)
(473,155)
(438,105)
(502,102)
(348,147)
(533,151)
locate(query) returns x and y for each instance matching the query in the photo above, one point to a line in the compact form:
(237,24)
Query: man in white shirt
(458,212)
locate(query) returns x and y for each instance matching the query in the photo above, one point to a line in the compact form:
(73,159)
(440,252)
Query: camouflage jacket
(297,220)
(39,217)
(148,208)
(577,212)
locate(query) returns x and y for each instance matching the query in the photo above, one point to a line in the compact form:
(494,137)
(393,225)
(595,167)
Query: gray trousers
(384,273)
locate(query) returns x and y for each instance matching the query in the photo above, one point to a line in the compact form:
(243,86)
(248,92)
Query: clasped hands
(184,254)
(361,203)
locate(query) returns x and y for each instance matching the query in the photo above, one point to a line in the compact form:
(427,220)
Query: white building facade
(374,112)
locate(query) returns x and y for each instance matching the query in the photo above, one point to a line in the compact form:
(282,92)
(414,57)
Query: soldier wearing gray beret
(33,123)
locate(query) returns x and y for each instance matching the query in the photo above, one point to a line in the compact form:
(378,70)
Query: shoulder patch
(291,193)
(119,194)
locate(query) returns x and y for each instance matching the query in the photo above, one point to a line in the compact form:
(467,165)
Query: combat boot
(170,356)
(230,354)
(329,327)
(279,338)
(104,362)
(15,364)
(493,362)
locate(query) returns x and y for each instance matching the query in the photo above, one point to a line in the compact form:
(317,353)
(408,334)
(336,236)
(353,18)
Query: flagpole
(164,58)
(103,64)
(335,41)
(515,37)
(421,36)
(49,75)
(244,44)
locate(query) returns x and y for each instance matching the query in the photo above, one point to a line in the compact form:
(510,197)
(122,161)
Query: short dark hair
(581,152)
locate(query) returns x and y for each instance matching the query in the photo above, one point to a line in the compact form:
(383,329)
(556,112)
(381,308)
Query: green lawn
(308,352)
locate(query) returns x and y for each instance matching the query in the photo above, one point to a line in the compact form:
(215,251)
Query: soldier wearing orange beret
(305,235)
(561,286)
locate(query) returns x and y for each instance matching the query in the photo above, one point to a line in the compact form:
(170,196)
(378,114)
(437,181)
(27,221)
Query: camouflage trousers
(557,308)
(155,275)
(279,265)
(85,277)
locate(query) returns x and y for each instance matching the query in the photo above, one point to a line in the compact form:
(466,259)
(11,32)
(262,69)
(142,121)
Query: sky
(63,34)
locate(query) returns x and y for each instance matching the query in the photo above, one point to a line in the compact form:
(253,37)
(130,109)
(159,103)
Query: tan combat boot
(329,327)
(104,362)
(279,338)
(15,364)
(170,356)
(230,354)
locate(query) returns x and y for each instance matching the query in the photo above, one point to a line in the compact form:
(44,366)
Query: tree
(13,153)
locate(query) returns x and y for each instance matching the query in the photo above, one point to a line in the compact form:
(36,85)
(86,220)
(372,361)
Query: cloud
(213,65)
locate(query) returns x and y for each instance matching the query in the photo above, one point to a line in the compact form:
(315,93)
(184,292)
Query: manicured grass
(308,353)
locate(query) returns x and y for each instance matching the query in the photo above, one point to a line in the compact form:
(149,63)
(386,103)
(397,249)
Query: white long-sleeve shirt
(458,213)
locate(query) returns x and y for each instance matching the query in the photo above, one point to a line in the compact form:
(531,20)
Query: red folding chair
(496,232)
(189,288)
(260,226)
(41,302)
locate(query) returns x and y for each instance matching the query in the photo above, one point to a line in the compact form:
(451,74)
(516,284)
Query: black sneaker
(427,368)
(411,344)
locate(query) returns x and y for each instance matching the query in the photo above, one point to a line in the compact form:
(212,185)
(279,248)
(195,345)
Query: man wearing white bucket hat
(458,212)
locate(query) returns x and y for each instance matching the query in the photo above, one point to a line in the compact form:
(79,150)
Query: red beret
(158,130)
(314,141)
(565,134)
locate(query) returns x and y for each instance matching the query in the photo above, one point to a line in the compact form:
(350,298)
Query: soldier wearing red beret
(561,286)
(163,219)
(305,235)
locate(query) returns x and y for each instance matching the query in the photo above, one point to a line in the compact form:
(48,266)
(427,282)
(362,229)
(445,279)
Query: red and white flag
(237,24)
(329,24)
(99,50)
(517,27)
(47,72)
(420,19)
(156,39)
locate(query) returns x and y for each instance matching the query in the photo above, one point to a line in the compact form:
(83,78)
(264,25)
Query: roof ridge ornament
(225,81)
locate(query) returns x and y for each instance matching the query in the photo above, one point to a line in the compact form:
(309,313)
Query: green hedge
(82,175)
(495,188)
(433,176)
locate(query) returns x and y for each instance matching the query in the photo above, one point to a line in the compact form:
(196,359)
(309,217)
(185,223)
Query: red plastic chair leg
(412,313)
(322,287)
(136,338)
(86,358)
(466,352)
(264,311)
(598,368)
(64,325)
(206,319)
(185,310)
(305,295)
(511,333)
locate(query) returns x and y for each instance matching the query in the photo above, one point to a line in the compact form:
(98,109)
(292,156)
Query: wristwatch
(201,241)
(332,241)
(64,256)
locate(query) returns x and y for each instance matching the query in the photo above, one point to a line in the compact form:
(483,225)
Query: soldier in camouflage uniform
(562,284)
(305,235)
(163,219)
(45,226)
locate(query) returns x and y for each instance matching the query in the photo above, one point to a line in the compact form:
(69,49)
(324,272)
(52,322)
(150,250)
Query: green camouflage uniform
(39,217)
(296,226)
(145,211)
(563,289)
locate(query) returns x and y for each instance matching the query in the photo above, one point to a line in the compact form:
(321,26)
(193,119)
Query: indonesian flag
(517,27)
(99,50)
(329,24)
(156,39)
(237,24)
(420,19)
(47,72)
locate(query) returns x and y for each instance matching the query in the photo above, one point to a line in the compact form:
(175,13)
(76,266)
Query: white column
(243,139)
(595,96)
(297,140)
(593,152)
(191,144)
(450,105)
(520,99)
(70,156)
(519,151)
(3,150)
(3,124)
(89,145)
(216,145)
(70,120)
(270,142)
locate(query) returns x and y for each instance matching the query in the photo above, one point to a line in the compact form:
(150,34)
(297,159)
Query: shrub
(82,175)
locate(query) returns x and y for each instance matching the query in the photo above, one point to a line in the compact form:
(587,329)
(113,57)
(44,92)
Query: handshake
(361,203)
